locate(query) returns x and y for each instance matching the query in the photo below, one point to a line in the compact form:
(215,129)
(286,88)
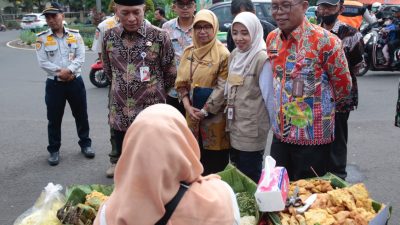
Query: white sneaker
(110,171)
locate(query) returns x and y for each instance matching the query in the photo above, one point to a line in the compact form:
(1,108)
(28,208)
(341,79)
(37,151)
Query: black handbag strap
(171,205)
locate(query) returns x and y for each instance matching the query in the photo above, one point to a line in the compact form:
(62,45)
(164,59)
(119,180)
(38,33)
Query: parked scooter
(3,27)
(373,55)
(97,76)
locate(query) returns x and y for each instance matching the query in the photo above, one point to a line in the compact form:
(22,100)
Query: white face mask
(387,22)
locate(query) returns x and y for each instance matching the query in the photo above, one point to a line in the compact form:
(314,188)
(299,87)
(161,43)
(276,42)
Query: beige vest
(250,124)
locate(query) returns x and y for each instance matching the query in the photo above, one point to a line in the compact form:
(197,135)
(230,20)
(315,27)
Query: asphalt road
(374,143)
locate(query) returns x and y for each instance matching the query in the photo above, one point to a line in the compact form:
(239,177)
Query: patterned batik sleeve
(337,67)
(168,65)
(104,53)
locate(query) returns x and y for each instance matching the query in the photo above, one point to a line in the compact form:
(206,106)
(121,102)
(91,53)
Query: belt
(55,78)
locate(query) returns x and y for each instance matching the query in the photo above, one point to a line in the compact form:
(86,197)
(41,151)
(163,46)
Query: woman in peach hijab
(159,153)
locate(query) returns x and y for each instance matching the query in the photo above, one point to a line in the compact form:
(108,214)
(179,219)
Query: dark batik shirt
(129,95)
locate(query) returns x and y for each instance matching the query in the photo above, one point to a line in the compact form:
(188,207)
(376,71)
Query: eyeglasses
(285,7)
(199,28)
(187,5)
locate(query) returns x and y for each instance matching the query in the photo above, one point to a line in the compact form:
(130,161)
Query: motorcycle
(3,27)
(97,76)
(373,55)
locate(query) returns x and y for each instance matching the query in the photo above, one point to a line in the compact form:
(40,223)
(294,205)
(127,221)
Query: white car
(34,21)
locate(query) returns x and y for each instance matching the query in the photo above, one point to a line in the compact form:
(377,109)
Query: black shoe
(88,152)
(54,158)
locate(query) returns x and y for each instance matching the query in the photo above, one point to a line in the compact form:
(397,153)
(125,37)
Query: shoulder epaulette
(73,30)
(41,33)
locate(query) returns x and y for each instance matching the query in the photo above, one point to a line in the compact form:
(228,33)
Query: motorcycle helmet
(376,6)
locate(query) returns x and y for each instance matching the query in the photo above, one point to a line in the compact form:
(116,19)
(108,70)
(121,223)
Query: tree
(27,5)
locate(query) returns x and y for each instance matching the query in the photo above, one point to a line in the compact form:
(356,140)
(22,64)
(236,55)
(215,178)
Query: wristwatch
(205,113)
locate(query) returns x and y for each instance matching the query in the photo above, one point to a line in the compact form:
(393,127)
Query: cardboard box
(273,187)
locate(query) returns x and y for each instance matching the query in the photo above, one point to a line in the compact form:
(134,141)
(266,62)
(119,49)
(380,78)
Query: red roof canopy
(388,2)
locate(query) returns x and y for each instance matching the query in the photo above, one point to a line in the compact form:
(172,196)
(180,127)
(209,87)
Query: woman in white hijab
(249,95)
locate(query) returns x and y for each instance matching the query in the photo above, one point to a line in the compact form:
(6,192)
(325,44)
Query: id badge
(144,74)
(298,86)
(71,56)
(230,113)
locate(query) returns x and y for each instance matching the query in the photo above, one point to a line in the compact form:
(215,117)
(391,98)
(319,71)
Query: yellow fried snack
(361,196)
(322,202)
(343,206)
(341,216)
(285,218)
(341,197)
(320,216)
(293,221)
(301,220)
(95,199)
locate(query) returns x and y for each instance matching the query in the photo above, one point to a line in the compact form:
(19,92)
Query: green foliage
(28,37)
(313,20)
(149,6)
(87,33)
(170,15)
(12,24)
(84,30)
(150,17)
(312,2)
(88,41)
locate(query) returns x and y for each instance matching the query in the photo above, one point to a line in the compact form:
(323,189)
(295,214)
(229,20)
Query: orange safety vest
(352,14)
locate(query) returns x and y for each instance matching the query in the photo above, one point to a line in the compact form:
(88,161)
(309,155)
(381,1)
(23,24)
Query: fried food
(301,220)
(320,216)
(321,202)
(342,197)
(361,196)
(346,206)
(95,199)
(341,216)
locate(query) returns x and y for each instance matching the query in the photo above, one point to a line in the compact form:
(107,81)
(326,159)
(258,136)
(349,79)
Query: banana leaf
(76,194)
(239,183)
(237,180)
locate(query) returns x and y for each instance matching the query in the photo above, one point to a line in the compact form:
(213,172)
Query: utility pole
(98,5)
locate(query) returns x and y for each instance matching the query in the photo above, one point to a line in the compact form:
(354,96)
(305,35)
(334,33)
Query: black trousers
(57,94)
(338,153)
(393,45)
(213,161)
(119,139)
(298,159)
(175,103)
(249,163)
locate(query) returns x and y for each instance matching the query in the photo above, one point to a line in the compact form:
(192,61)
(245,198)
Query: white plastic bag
(44,211)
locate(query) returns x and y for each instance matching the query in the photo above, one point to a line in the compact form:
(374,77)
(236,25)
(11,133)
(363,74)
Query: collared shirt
(316,57)
(54,53)
(128,95)
(353,46)
(180,40)
(100,30)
